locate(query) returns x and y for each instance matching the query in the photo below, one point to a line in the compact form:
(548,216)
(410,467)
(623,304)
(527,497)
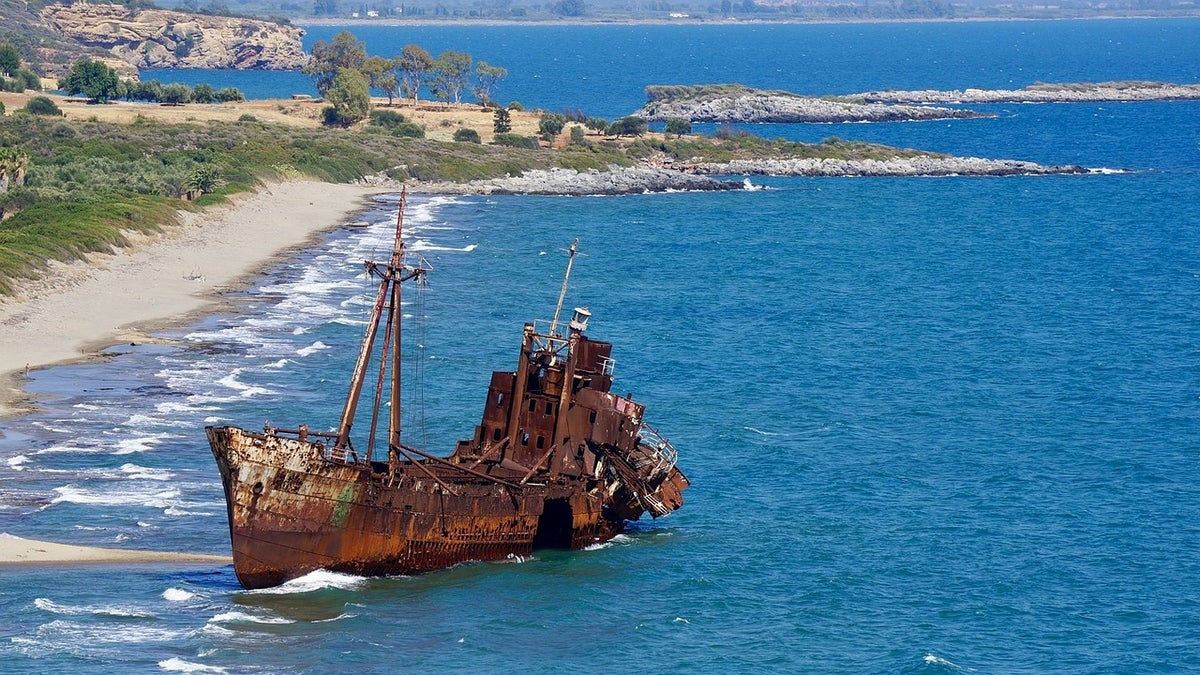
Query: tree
(350,97)
(627,126)
(678,126)
(10,59)
(550,125)
(230,94)
(381,75)
(92,78)
(501,121)
(203,93)
(176,93)
(486,79)
(325,8)
(450,73)
(570,8)
(413,63)
(345,51)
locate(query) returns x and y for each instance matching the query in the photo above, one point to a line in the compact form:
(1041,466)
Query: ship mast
(562,293)
(391,276)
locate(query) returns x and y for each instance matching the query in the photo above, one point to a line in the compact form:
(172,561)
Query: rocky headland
(1080,92)
(736,104)
(669,176)
(156,38)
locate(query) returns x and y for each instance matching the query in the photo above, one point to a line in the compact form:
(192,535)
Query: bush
(516,141)
(41,105)
(1,107)
(577,135)
(515,106)
(388,119)
(408,130)
(247,117)
(229,95)
(467,136)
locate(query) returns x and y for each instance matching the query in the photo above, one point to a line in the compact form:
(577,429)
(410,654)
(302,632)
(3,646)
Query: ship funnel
(579,320)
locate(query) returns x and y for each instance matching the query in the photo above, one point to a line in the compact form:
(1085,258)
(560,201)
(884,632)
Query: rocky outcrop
(615,181)
(154,38)
(753,107)
(1043,93)
(921,165)
(697,176)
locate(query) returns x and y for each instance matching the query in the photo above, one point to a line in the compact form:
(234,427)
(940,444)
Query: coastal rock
(1084,92)
(155,38)
(615,181)
(922,165)
(754,107)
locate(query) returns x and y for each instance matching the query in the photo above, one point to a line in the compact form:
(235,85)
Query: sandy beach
(20,551)
(79,309)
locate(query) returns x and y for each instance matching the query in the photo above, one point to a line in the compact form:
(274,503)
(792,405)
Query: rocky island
(157,38)
(1078,92)
(737,104)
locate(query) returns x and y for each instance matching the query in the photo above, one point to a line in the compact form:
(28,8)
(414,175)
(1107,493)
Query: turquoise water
(933,425)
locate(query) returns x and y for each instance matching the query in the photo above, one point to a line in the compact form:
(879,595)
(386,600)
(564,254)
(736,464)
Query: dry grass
(439,120)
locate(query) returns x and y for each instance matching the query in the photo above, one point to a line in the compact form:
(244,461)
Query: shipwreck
(557,461)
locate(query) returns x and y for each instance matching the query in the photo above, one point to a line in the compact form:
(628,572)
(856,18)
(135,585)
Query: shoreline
(19,551)
(161,280)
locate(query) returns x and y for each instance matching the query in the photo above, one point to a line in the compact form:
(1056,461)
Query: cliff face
(155,38)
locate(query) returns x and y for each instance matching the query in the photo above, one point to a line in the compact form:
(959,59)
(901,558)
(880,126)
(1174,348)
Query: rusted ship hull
(293,509)
(557,461)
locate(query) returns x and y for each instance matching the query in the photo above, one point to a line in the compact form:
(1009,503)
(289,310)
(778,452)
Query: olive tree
(93,79)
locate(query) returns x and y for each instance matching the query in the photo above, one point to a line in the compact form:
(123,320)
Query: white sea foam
(17,463)
(151,498)
(243,617)
(619,540)
(278,364)
(47,605)
(933,659)
(135,472)
(314,581)
(313,348)
(177,595)
(760,432)
(176,664)
(129,446)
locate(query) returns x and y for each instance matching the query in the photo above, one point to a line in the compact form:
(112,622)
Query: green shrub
(516,141)
(41,105)
(467,136)
(229,95)
(388,119)
(247,117)
(516,106)
(408,130)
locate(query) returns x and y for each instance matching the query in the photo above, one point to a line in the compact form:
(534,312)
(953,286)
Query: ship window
(592,417)
(500,398)
(524,439)
(496,434)
(549,408)
(532,405)
(541,442)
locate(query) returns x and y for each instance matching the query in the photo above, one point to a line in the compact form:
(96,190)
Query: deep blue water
(933,425)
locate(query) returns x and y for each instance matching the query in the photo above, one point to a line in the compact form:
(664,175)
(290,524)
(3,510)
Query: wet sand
(19,551)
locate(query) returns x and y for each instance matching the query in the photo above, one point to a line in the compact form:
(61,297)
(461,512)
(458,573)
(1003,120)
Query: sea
(933,425)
